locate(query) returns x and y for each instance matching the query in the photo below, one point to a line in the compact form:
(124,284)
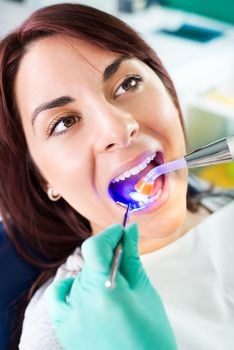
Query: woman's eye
(130,83)
(60,125)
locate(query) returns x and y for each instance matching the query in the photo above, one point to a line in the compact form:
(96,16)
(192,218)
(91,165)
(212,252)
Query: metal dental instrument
(110,283)
(220,151)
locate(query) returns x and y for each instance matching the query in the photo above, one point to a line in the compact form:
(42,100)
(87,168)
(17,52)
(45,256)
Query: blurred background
(195,40)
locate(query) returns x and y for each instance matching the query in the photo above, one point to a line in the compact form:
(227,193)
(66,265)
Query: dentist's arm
(86,315)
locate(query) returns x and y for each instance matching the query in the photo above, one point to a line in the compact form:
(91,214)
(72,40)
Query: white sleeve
(38,332)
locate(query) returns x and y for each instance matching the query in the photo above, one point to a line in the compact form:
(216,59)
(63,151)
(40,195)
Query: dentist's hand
(86,315)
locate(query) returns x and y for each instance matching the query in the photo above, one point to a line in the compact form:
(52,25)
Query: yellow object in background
(217,97)
(221,175)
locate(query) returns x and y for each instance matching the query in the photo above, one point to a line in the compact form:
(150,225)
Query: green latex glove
(130,316)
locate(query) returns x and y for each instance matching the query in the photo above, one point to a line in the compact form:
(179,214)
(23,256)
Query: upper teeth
(135,170)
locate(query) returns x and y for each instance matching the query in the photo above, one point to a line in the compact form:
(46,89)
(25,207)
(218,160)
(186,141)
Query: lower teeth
(147,200)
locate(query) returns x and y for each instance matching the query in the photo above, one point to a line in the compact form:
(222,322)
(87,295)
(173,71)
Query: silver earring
(50,193)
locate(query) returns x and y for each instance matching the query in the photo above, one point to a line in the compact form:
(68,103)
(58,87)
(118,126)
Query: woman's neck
(191,220)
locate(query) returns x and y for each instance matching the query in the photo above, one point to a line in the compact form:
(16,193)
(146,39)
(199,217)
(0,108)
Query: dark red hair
(51,230)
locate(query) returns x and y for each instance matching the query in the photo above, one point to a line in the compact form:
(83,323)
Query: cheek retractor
(217,152)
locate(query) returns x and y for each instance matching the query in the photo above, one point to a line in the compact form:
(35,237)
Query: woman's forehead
(59,61)
(56,62)
(61,50)
(61,66)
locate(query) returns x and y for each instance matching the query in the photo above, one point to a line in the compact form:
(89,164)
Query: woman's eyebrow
(114,66)
(57,102)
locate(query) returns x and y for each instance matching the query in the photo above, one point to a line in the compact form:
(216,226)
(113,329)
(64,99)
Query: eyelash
(132,77)
(58,120)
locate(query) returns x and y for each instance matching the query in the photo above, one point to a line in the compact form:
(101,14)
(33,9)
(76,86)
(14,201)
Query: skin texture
(111,130)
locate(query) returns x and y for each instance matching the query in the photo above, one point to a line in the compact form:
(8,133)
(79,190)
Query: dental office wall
(195,40)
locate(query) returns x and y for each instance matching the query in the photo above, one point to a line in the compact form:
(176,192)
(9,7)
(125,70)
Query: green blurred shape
(219,9)
(231,169)
(204,127)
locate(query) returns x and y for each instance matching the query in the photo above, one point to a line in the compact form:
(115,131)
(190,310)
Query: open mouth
(122,191)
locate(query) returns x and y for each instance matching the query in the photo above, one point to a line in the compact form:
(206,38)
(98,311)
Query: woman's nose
(117,129)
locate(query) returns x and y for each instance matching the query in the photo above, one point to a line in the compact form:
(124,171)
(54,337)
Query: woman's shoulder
(38,332)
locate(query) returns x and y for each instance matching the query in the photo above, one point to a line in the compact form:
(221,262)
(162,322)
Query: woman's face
(90,115)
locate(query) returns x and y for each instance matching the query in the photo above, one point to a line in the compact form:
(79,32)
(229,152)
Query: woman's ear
(52,194)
